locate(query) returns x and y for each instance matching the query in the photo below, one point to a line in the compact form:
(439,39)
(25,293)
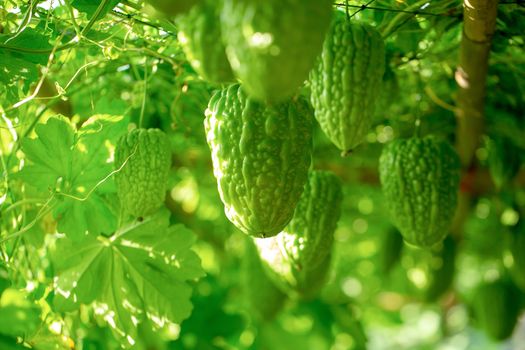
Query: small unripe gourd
(299,258)
(142,161)
(420,182)
(200,38)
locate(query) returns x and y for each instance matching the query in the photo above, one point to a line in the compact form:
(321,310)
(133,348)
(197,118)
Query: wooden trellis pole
(479,23)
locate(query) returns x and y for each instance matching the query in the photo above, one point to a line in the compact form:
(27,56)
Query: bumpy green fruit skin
(305,282)
(142,180)
(420,181)
(308,238)
(262,297)
(200,38)
(346,81)
(272,44)
(261,155)
(496,307)
(170,8)
(299,257)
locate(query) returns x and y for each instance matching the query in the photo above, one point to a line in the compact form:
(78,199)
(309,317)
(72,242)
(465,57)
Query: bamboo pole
(479,22)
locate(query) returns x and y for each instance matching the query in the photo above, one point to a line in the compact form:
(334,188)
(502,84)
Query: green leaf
(50,153)
(74,166)
(9,343)
(140,272)
(13,69)
(18,316)
(21,62)
(26,44)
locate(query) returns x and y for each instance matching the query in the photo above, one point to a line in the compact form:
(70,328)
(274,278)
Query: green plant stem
(145,95)
(408,12)
(22,202)
(71,43)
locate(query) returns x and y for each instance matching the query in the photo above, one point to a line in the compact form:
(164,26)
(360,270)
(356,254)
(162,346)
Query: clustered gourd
(259,131)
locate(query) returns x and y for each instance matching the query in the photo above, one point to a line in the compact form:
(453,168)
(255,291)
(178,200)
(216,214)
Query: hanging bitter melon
(299,257)
(420,182)
(261,155)
(272,44)
(200,38)
(142,161)
(346,80)
(308,238)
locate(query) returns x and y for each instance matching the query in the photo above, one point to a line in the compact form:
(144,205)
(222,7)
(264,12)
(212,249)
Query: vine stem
(71,43)
(144,97)
(41,213)
(402,17)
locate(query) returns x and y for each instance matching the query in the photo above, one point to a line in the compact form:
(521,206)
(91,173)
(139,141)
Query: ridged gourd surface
(346,81)
(304,282)
(309,237)
(142,180)
(261,155)
(272,44)
(264,299)
(200,38)
(420,182)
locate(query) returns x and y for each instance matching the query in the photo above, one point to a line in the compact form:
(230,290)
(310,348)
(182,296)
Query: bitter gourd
(200,38)
(420,181)
(346,80)
(263,299)
(261,155)
(299,257)
(142,161)
(308,238)
(304,282)
(496,308)
(272,44)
